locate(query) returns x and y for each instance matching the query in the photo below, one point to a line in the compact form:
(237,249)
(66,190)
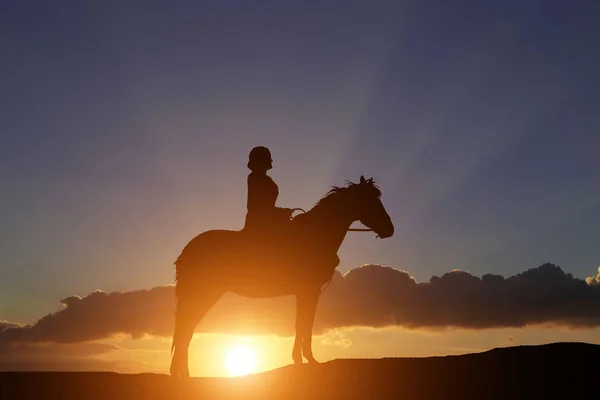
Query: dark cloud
(379,296)
(100,315)
(371,295)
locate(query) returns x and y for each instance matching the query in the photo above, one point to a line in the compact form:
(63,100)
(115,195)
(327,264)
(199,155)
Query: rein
(349,229)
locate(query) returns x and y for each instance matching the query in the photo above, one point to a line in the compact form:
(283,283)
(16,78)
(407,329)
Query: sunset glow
(241,360)
(461,141)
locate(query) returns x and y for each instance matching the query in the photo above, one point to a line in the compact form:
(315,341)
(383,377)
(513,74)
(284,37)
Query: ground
(558,370)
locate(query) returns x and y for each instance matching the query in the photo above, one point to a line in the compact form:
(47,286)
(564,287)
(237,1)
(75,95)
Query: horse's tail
(174,327)
(176,301)
(190,256)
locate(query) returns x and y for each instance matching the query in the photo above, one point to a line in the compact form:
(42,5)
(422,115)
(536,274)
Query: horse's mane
(351,187)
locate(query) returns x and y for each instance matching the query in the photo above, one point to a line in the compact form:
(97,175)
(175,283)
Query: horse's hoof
(179,375)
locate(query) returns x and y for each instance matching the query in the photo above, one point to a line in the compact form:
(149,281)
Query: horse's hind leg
(191,307)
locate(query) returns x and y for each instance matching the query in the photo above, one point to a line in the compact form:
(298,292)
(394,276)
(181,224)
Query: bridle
(349,229)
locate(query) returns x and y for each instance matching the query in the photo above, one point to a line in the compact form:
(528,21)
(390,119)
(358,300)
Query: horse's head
(368,208)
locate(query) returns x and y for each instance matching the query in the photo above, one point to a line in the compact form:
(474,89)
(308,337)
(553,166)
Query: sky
(125,131)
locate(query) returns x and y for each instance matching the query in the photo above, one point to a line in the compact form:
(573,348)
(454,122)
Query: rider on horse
(263,216)
(266,221)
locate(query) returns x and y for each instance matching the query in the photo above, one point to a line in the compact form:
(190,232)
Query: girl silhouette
(263,216)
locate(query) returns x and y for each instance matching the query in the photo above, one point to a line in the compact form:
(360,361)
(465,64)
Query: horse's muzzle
(387,232)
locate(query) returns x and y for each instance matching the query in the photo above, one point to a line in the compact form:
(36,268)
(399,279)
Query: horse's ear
(362,179)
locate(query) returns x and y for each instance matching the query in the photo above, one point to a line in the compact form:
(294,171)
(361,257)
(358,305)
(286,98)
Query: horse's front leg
(306,307)
(312,299)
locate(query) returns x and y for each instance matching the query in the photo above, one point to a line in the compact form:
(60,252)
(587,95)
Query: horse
(295,259)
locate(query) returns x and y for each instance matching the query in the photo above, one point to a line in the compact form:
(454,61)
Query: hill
(566,370)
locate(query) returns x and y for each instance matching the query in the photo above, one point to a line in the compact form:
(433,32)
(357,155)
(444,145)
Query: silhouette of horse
(297,259)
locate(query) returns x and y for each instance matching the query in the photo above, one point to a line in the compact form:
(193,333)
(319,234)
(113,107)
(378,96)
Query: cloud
(372,295)
(336,338)
(5,324)
(101,315)
(594,280)
(380,296)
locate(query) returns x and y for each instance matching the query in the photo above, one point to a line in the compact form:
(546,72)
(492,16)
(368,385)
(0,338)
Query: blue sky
(125,132)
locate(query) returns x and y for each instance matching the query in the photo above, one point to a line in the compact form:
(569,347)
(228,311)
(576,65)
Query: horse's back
(214,240)
(234,253)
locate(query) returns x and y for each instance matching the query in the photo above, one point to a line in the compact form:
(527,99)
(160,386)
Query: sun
(240,360)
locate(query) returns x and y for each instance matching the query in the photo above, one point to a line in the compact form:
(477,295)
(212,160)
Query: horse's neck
(331,223)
